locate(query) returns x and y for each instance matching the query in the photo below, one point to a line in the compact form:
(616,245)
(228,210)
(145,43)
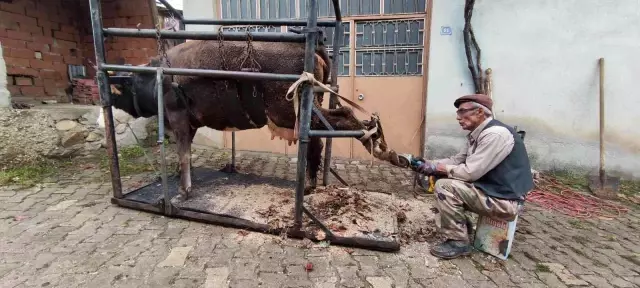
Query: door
(389,80)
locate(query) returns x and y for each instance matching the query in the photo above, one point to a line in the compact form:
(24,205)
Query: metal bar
(318,89)
(173,10)
(105,98)
(240,75)
(344,182)
(163,161)
(205,35)
(326,230)
(338,133)
(336,9)
(602,175)
(305,110)
(233,149)
(356,242)
(337,35)
(322,119)
(124,202)
(275,22)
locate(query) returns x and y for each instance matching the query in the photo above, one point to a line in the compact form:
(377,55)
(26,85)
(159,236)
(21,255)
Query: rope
(308,77)
(553,195)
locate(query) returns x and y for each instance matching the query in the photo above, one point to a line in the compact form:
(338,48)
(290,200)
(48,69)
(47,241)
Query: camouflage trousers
(454,197)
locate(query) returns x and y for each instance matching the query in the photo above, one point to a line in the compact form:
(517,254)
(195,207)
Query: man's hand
(426,168)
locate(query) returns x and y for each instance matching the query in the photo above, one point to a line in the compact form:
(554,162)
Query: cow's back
(207,94)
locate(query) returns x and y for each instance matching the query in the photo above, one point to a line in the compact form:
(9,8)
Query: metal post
(337,36)
(163,161)
(233,150)
(602,174)
(105,98)
(305,110)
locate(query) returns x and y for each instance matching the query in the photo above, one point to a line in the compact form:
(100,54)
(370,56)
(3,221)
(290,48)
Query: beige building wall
(544,56)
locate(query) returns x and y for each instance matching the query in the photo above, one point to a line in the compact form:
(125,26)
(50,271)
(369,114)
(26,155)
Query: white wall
(5,97)
(203,9)
(544,55)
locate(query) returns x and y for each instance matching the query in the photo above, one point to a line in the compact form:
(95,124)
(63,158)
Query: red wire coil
(569,202)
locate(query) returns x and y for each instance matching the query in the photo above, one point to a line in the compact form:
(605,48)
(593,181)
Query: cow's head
(134,93)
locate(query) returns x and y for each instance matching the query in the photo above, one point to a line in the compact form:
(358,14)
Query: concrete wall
(5,97)
(544,57)
(207,10)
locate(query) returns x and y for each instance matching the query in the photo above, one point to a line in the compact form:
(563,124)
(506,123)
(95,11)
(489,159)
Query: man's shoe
(451,249)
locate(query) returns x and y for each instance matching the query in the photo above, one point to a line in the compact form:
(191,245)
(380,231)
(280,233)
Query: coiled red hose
(553,195)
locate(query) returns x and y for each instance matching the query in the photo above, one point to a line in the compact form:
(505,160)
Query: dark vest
(512,178)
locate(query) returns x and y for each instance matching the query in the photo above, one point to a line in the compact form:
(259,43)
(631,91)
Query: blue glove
(427,168)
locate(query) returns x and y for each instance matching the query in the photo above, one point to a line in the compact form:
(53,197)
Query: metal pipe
(163,162)
(602,171)
(337,35)
(240,75)
(105,98)
(336,134)
(322,119)
(205,35)
(233,149)
(275,22)
(336,9)
(173,10)
(305,109)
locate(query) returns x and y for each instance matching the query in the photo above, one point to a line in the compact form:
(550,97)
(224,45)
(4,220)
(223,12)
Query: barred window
(389,47)
(400,62)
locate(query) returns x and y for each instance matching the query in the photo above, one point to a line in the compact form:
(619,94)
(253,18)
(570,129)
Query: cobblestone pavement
(67,234)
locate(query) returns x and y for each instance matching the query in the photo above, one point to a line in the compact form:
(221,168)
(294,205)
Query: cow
(192,102)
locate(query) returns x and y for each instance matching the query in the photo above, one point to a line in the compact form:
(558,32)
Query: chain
(161,46)
(222,55)
(253,64)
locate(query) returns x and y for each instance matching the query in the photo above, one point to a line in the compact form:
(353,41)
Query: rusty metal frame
(165,207)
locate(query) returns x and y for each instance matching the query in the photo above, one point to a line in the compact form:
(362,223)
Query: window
(343,61)
(297,9)
(389,47)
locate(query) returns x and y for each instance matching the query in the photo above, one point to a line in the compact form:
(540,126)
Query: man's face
(469,117)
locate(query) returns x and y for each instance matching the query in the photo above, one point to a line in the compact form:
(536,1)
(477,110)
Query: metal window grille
(345,57)
(389,47)
(404,6)
(250,28)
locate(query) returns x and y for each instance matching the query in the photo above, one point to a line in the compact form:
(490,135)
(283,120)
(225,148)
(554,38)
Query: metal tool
(411,161)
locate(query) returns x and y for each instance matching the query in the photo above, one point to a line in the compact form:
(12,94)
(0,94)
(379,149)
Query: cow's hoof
(229,168)
(185,192)
(309,189)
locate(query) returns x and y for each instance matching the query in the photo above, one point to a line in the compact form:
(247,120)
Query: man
(490,176)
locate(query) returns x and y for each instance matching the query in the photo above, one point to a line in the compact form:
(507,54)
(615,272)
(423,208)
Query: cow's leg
(184,134)
(314,159)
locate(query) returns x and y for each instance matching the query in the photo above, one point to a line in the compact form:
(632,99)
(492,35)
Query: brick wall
(41,37)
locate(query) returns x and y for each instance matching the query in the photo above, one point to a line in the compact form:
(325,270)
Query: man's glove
(427,168)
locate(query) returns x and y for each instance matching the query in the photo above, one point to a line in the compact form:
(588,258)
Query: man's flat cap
(481,99)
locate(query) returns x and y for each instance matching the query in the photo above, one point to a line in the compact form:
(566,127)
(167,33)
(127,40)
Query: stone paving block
(444,281)
(550,279)
(242,283)
(482,284)
(271,280)
(176,257)
(380,282)
(596,281)
(349,277)
(368,266)
(619,282)
(565,276)
(221,257)
(243,268)
(470,271)
(419,268)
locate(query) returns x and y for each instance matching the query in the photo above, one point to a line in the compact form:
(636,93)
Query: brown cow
(234,105)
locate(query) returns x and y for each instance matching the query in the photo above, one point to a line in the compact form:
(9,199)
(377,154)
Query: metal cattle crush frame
(309,37)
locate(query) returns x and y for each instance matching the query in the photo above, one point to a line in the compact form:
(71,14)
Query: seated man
(490,176)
